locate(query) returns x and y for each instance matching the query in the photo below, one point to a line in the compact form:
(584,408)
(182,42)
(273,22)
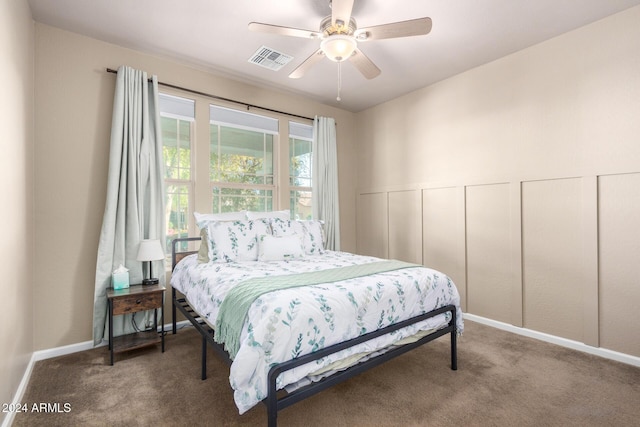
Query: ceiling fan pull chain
(339,81)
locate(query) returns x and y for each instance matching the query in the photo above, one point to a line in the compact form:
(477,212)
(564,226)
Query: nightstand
(131,300)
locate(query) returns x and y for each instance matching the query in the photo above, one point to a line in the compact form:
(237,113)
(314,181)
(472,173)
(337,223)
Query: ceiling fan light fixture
(338,47)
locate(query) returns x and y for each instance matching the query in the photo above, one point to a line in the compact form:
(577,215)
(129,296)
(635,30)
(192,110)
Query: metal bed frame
(276,403)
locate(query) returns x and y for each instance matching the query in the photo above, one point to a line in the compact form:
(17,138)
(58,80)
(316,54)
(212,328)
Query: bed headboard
(176,256)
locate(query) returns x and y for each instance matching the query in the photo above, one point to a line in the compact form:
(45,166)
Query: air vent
(269,58)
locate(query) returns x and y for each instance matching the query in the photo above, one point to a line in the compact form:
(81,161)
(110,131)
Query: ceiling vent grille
(269,58)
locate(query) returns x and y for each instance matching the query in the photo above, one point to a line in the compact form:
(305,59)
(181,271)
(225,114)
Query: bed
(293,319)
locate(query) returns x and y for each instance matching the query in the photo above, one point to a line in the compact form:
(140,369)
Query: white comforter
(288,323)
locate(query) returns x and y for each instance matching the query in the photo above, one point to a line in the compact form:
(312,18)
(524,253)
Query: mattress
(287,323)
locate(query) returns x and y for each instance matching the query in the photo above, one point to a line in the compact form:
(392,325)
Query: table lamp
(150,250)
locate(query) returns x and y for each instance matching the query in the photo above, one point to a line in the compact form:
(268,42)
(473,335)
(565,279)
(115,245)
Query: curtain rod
(197,92)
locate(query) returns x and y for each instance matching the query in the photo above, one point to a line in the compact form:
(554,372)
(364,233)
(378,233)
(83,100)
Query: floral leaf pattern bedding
(292,322)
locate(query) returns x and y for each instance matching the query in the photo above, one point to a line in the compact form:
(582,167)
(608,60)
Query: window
(177,117)
(219,159)
(241,160)
(300,163)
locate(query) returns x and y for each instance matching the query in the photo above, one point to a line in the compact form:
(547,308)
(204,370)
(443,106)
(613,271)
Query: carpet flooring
(503,379)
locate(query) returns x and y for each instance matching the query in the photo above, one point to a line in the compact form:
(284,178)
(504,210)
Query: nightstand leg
(111,331)
(162,323)
(155,320)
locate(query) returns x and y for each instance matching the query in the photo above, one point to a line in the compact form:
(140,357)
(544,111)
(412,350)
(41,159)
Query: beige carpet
(502,380)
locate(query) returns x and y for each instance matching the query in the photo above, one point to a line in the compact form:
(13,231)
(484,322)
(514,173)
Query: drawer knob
(138,301)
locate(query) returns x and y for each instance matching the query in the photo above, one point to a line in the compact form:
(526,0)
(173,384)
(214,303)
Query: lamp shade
(338,47)
(150,250)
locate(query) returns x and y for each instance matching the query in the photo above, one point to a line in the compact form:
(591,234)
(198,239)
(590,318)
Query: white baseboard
(55,352)
(575,345)
(87,345)
(17,398)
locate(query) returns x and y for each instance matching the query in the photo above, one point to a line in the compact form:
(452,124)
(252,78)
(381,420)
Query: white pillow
(230,241)
(271,248)
(274,214)
(202,219)
(312,233)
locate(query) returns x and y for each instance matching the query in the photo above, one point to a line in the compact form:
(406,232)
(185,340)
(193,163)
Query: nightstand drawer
(134,303)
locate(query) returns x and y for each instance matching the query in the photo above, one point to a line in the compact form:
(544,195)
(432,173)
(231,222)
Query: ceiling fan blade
(341,11)
(308,63)
(413,27)
(364,64)
(283,31)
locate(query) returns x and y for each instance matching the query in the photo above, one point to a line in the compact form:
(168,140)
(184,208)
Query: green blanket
(235,306)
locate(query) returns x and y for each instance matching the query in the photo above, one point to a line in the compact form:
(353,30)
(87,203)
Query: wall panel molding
(515,232)
(488,244)
(461,240)
(591,335)
(372,224)
(618,262)
(405,225)
(443,235)
(552,257)
(573,231)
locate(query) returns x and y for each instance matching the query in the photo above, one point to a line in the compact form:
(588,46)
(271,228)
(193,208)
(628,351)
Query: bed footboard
(275,403)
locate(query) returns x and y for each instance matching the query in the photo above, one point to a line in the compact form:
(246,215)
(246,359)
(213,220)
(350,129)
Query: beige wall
(529,169)
(474,163)
(74,99)
(16,215)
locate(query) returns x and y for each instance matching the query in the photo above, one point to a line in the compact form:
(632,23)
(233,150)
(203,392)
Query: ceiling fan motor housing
(338,28)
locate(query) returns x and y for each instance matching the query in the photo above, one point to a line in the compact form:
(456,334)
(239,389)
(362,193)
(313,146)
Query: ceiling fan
(339,36)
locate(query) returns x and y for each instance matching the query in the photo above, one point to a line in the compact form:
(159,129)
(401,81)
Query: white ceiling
(213,34)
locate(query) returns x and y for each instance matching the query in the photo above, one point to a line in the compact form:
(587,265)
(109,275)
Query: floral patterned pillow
(202,220)
(312,233)
(235,240)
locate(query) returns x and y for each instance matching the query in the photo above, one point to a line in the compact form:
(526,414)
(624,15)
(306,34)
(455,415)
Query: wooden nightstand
(131,300)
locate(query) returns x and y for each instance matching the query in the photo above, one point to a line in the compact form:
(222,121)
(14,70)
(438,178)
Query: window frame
(299,188)
(273,187)
(200,186)
(189,184)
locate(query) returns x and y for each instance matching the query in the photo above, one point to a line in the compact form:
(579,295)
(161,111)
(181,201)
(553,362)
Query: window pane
(300,169)
(177,205)
(237,199)
(176,117)
(300,162)
(268,156)
(214,131)
(176,148)
(301,204)
(240,156)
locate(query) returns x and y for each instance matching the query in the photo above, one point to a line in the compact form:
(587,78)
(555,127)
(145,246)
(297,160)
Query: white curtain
(325,179)
(134,207)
